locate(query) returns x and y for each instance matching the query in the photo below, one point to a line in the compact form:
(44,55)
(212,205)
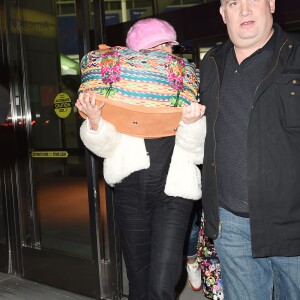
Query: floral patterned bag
(210,266)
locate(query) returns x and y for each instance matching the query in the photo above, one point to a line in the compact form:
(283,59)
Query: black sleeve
(4,103)
(204,77)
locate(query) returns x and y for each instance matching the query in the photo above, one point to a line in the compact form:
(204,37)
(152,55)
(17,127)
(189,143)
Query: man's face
(249,22)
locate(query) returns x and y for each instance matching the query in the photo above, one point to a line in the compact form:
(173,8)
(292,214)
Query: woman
(154,179)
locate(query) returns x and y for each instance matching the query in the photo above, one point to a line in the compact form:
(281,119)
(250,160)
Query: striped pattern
(144,78)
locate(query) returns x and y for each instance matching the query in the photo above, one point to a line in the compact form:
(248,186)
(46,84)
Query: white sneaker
(194,276)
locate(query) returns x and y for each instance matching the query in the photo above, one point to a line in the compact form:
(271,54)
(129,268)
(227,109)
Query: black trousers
(152,228)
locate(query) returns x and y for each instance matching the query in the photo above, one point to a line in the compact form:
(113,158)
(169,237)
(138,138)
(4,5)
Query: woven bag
(143,91)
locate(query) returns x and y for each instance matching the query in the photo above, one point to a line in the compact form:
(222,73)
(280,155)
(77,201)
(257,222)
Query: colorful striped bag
(143,91)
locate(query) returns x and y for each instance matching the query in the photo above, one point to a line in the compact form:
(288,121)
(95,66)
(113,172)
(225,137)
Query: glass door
(4,134)
(66,232)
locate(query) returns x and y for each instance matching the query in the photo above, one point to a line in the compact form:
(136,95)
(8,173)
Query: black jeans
(152,228)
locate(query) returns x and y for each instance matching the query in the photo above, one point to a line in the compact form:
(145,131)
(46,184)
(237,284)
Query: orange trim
(141,121)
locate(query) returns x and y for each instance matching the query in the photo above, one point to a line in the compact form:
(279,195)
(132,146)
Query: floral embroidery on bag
(176,74)
(110,71)
(107,64)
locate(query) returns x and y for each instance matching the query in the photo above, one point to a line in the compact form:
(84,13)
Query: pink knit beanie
(150,32)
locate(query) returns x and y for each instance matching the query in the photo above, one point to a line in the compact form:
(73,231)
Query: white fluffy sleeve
(190,138)
(184,178)
(102,142)
(123,154)
(130,156)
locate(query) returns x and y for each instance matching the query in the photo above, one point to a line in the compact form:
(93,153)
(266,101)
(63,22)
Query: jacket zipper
(254,102)
(214,131)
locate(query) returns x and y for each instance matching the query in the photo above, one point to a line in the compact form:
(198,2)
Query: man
(251,173)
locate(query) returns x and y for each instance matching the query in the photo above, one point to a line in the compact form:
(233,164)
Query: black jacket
(273,154)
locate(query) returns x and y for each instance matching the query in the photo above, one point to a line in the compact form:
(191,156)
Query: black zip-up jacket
(273,149)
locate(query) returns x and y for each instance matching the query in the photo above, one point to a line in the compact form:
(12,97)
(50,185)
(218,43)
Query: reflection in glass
(64,215)
(57,212)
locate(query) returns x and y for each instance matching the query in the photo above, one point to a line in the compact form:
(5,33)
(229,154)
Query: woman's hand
(192,113)
(86,103)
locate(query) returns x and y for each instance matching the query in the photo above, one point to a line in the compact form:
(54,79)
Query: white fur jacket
(124,154)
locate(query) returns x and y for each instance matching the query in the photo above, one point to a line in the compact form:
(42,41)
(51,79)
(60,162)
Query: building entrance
(56,214)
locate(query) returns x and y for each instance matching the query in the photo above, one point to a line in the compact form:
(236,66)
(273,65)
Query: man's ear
(272,5)
(221,10)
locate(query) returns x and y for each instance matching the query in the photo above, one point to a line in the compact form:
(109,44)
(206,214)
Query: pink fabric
(150,32)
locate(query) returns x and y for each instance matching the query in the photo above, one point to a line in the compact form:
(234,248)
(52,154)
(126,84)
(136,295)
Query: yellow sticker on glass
(62,105)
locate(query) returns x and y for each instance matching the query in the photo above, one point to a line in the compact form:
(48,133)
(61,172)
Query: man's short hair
(222,2)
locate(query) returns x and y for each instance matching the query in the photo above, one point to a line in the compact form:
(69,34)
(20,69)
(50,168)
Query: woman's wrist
(94,122)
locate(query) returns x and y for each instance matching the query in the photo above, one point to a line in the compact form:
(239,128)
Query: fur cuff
(184,177)
(190,138)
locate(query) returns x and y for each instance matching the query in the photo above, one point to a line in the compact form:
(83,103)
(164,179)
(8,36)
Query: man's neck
(242,53)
